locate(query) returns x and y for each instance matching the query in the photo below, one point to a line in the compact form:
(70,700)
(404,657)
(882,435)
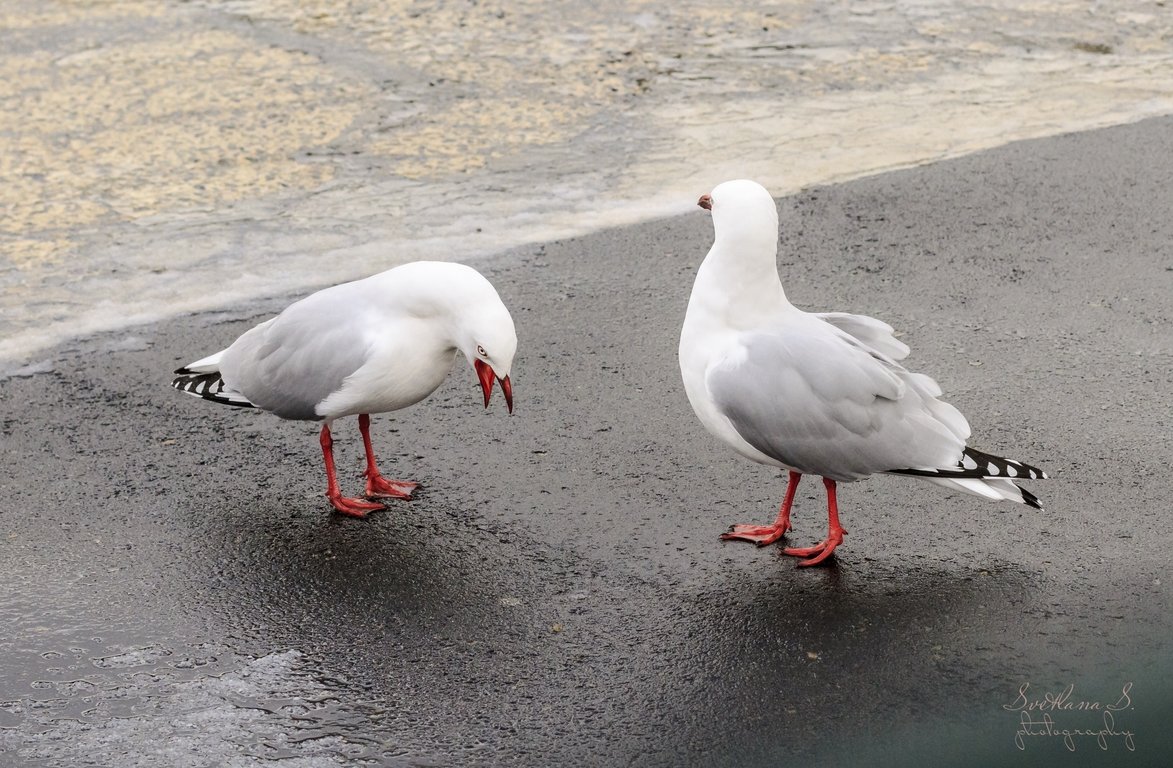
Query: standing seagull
(817,394)
(373,345)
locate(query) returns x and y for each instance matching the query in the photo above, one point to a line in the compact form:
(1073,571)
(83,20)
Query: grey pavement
(177,592)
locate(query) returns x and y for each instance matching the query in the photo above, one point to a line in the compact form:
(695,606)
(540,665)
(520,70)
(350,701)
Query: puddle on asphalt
(178,705)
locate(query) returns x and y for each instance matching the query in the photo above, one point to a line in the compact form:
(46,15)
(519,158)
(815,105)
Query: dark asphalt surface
(177,592)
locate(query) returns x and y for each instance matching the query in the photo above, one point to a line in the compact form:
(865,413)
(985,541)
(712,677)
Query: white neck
(738,281)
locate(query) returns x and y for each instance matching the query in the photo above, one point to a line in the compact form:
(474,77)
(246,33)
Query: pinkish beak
(486,375)
(705,202)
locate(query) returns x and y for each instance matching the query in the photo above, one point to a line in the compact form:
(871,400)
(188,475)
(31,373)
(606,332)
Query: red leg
(768,534)
(352,507)
(821,551)
(379,487)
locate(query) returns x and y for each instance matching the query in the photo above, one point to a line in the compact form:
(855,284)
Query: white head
(489,341)
(468,309)
(743,214)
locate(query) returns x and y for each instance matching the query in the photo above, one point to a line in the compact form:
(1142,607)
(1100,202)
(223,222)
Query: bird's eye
(481,351)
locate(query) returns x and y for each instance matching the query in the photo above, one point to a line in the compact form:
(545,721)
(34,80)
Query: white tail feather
(209,364)
(990,488)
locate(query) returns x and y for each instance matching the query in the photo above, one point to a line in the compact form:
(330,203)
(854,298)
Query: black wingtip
(208,386)
(981,465)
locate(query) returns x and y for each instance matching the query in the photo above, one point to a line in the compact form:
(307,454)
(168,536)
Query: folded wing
(820,400)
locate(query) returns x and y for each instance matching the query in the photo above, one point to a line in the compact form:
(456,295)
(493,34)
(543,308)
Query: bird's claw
(819,552)
(353,507)
(379,487)
(762,535)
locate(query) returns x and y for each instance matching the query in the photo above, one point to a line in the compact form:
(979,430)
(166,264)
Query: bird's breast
(707,340)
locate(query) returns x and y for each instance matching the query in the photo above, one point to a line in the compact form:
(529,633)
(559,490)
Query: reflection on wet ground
(143,705)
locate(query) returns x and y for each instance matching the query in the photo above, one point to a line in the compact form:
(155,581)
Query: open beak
(486,375)
(705,202)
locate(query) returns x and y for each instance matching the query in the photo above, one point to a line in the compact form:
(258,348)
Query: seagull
(814,393)
(369,346)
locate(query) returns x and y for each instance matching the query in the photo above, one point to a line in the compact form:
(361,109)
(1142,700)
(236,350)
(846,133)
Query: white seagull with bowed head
(369,346)
(820,394)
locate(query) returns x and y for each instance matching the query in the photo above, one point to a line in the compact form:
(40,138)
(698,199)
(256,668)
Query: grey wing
(821,402)
(873,333)
(289,364)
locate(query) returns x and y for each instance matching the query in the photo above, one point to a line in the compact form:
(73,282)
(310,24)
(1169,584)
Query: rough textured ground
(176,592)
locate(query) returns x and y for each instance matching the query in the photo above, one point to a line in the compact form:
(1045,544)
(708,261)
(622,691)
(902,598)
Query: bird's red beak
(486,375)
(705,202)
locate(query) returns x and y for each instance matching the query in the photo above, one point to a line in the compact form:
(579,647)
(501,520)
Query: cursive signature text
(1064,701)
(1045,726)
(1040,713)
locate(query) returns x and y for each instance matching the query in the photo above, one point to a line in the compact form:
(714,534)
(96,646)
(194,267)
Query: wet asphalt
(177,592)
